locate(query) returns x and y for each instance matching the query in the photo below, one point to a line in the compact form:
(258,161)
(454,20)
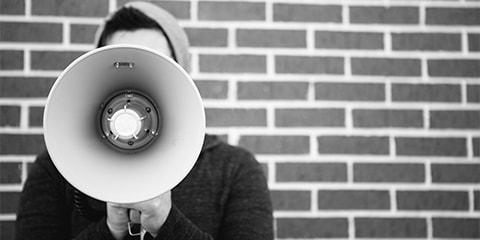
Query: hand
(153,214)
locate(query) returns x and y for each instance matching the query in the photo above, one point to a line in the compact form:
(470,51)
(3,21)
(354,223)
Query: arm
(43,211)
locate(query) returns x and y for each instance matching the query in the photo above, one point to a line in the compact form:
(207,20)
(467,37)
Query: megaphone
(124,123)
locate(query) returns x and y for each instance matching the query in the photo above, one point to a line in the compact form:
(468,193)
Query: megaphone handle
(140,233)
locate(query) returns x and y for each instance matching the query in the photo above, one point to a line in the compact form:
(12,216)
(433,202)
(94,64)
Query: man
(225,196)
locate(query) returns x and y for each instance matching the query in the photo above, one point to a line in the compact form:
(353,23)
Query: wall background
(364,113)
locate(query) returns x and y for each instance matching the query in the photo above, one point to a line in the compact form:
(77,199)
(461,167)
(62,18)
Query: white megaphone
(124,124)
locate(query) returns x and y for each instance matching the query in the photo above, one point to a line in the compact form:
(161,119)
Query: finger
(134,216)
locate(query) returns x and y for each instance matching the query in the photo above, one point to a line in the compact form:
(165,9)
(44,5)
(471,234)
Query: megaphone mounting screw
(148,109)
(130,143)
(110,111)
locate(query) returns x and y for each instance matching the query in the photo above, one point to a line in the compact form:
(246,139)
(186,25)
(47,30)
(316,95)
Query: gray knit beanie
(175,34)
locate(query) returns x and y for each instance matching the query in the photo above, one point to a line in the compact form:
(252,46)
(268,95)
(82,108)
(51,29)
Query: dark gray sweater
(225,196)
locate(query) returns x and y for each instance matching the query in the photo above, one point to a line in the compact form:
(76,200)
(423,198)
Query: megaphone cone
(124,123)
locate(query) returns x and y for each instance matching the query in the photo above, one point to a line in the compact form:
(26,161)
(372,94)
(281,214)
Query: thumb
(117,219)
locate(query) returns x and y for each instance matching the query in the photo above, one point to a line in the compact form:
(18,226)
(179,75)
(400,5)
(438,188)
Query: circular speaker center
(125,123)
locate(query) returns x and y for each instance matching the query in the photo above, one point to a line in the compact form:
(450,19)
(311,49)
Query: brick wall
(364,114)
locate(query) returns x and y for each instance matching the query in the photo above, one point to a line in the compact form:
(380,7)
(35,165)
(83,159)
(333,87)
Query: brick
(9,116)
(349,91)
(311,172)
(476,200)
(432,200)
(455,173)
(283,12)
(455,119)
(207,37)
(358,145)
(452,16)
(12,7)
(212,89)
(427,41)
(426,93)
(35,117)
(456,227)
(312,228)
(9,202)
(389,172)
(474,42)
(386,66)
(384,118)
(290,200)
(265,169)
(86,8)
(310,117)
(384,15)
(276,144)
(266,38)
(21,144)
(7,229)
(454,68)
(231,117)
(10,172)
(83,33)
(18,87)
(11,60)
(37,32)
(353,199)
(476,146)
(231,11)
(242,63)
(272,90)
(430,146)
(348,40)
(179,9)
(308,65)
(390,228)
(52,60)
(473,93)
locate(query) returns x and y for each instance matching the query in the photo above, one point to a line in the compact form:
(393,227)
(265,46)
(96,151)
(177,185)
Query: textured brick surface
(290,200)
(90,8)
(272,90)
(212,89)
(474,42)
(17,87)
(476,146)
(386,66)
(30,32)
(9,116)
(217,117)
(455,119)
(233,63)
(353,199)
(8,202)
(456,173)
(349,91)
(12,7)
(374,118)
(452,16)
(311,172)
(426,93)
(348,40)
(7,229)
(271,38)
(234,10)
(390,228)
(388,172)
(207,37)
(35,117)
(431,146)
(52,60)
(10,172)
(328,117)
(306,13)
(426,41)
(353,145)
(432,200)
(312,228)
(308,65)
(384,15)
(276,144)
(456,227)
(179,9)
(473,93)
(83,33)
(11,60)
(21,144)
(454,68)
(477,200)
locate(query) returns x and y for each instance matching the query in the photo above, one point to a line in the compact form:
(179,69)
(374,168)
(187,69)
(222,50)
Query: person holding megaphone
(221,194)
